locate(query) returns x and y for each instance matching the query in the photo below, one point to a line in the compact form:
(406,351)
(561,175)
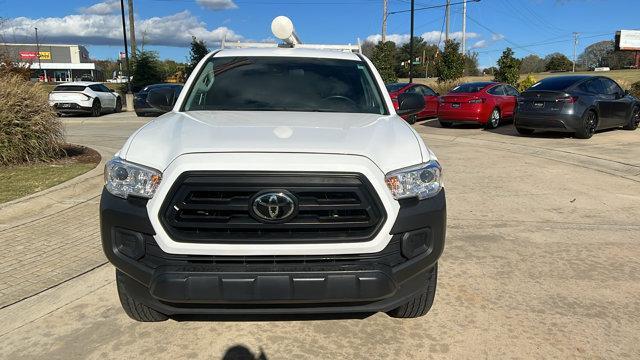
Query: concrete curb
(54,199)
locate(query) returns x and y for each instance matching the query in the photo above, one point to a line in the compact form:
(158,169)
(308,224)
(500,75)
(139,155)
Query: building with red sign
(54,62)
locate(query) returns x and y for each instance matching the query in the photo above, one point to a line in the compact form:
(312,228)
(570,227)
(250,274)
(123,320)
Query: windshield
(470,87)
(285,84)
(395,87)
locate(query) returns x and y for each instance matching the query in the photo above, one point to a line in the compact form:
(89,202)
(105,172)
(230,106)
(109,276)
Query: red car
(487,103)
(430,99)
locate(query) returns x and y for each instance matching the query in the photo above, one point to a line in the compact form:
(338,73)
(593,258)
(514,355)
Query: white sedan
(84,97)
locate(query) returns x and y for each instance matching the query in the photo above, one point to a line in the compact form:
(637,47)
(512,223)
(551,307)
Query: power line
(431,7)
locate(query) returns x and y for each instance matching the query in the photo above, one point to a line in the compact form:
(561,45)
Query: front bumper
(203,284)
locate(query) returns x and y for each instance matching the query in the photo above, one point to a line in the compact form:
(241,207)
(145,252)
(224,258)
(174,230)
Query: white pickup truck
(279,181)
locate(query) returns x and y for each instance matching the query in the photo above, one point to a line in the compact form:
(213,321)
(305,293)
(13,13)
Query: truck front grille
(215,207)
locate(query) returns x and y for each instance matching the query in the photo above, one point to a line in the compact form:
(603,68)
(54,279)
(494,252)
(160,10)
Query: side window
(427,91)
(104,88)
(414,90)
(496,90)
(596,86)
(511,91)
(95,88)
(611,87)
(586,86)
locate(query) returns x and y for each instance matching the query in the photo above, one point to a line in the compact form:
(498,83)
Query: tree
(198,52)
(146,70)
(596,55)
(420,48)
(384,59)
(169,68)
(367,48)
(508,68)
(531,64)
(557,62)
(450,64)
(471,64)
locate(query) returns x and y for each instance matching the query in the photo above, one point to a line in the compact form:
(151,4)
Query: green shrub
(526,83)
(635,89)
(29,128)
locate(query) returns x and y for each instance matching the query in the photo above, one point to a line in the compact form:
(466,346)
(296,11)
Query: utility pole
(575,43)
(464,26)
(411,44)
(126,51)
(446,15)
(38,54)
(132,30)
(384,20)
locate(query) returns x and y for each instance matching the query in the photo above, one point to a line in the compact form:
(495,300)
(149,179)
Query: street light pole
(126,52)
(38,54)
(411,44)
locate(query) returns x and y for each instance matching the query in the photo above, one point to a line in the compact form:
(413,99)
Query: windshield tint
(395,87)
(69,88)
(285,84)
(469,87)
(555,83)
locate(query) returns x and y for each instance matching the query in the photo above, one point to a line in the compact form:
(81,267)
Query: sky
(529,27)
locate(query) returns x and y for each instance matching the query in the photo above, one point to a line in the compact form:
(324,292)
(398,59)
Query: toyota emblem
(274,206)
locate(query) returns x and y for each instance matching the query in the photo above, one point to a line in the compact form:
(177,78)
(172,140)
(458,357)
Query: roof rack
(282,28)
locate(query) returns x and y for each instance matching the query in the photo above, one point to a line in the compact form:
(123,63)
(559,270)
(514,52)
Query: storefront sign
(33,55)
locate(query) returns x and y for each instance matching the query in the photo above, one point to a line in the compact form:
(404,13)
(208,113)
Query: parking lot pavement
(541,261)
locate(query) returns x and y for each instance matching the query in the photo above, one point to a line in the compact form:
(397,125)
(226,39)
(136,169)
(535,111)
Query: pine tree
(508,68)
(198,52)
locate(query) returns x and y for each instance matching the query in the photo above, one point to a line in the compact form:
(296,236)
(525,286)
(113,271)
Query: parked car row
(579,104)
(95,98)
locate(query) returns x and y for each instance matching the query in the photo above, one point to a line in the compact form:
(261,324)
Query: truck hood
(388,141)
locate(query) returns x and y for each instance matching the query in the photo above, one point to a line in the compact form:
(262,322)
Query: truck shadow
(241,352)
(271,317)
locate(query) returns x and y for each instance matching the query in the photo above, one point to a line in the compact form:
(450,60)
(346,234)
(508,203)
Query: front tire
(412,119)
(494,120)
(96,108)
(135,309)
(118,107)
(421,303)
(588,125)
(634,121)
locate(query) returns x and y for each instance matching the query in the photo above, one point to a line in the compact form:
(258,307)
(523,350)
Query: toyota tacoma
(278,181)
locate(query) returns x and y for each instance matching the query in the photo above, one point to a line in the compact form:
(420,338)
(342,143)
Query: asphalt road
(541,261)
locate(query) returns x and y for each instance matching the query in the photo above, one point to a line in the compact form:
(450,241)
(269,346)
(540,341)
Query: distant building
(57,63)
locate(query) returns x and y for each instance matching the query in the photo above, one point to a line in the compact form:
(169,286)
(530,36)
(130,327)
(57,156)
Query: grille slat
(214,207)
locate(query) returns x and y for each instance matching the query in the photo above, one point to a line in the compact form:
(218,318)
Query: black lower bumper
(551,122)
(71,108)
(186,284)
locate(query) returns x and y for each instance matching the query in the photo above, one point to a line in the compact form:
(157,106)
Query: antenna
(282,28)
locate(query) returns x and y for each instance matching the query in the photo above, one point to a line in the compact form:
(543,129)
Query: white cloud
(431,37)
(90,29)
(102,8)
(217,5)
(496,37)
(480,44)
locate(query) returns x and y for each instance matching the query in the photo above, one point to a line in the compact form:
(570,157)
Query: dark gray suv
(579,104)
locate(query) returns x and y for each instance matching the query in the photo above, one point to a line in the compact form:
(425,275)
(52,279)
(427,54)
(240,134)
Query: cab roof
(289,52)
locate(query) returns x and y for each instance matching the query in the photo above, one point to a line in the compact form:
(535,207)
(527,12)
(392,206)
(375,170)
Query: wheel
(588,126)
(634,121)
(419,304)
(412,119)
(136,310)
(445,124)
(96,108)
(523,131)
(494,119)
(118,107)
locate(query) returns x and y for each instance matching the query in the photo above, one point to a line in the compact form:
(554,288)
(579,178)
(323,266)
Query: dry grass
(29,129)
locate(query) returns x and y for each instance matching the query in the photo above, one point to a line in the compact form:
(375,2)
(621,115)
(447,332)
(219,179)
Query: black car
(579,104)
(140,100)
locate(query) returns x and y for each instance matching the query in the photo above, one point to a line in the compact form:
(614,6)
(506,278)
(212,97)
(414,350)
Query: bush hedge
(29,129)
(635,89)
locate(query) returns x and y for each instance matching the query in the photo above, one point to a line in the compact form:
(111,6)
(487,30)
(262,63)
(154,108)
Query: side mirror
(409,104)
(162,99)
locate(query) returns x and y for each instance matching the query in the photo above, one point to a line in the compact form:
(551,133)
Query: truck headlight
(422,181)
(122,178)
